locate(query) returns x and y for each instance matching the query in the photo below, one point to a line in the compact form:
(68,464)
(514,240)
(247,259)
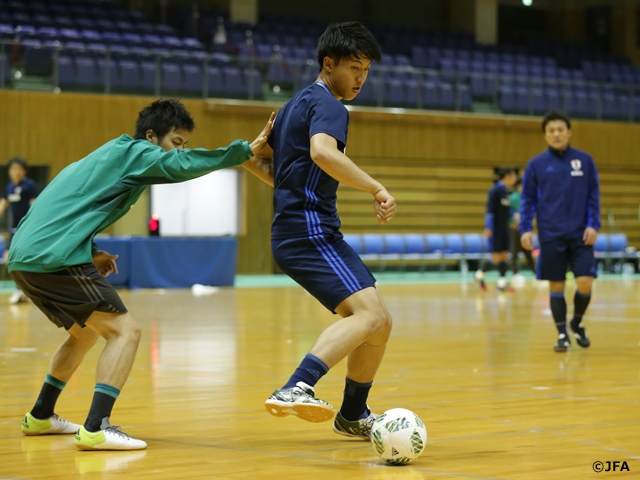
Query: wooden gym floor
(478,368)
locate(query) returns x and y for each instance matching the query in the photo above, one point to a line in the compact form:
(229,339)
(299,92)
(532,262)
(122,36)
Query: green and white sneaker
(108,438)
(301,402)
(358,428)
(54,425)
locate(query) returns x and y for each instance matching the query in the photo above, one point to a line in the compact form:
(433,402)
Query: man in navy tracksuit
(561,186)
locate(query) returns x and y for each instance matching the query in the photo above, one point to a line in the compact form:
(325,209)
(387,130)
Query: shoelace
(56,417)
(117,430)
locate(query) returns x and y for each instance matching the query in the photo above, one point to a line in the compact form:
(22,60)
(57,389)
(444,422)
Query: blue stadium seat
(233,83)
(354,241)
(192,75)
(148,71)
(214,79)
(373,247)
(86,72)
(171,77)
(66,71)
(128,74)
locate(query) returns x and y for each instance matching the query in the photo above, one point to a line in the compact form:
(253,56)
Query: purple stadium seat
(86,71)
(171,77)
(148,73)
(66,71)
(214,81)
(464,97)
(447,97)
(253,80)
(521,100)
(233,83)
(128,74)
(192,75)
(507,100)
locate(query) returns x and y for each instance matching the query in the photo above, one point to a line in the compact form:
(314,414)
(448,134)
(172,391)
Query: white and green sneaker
(54,425)
(301,402)
(358,428)
(108,438)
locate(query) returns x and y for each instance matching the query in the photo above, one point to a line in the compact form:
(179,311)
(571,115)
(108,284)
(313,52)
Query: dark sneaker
(580,333)
(301,402)
(358,428)
(563,343)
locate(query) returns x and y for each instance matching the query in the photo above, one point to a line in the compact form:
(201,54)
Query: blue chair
(86,72)
(192,75)
(148,71)
(394,248)
(618,245)
(214,79)
(171,77)
(475,246)
(415,249)
(435,247)
(354,241)
(373,247)
(128,74)
(454,247)
(66,71)
(601,247)
(233,84)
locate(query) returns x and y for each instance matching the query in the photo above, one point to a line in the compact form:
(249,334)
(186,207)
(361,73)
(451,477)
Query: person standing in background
(21,192)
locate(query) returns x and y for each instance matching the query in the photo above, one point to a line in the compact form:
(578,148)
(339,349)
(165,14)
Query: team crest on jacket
(576,165)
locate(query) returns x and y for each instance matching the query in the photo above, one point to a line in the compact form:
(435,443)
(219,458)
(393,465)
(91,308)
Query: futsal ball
(398,436)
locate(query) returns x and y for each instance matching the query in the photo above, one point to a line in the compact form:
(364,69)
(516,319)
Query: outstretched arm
(325,153)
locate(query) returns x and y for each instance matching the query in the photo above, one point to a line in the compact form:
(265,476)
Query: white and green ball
(398,436)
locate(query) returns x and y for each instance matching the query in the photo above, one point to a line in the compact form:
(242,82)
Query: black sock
(486,266)
(580,304)
(104,396)
(502,268)
(354,403)
(311,370)
(559,311)
(46,402)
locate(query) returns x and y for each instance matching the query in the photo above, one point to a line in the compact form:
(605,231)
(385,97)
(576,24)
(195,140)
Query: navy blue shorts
(557,255)
(325,266)
(500,241)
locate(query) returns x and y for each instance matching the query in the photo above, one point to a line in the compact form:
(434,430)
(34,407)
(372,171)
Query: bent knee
(379,321)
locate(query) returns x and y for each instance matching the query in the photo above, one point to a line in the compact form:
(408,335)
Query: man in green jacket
(55,262)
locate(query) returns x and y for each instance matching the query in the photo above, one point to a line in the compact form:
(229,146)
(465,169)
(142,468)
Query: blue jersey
(19,197)
(563,190)
(498,208)
(304,197)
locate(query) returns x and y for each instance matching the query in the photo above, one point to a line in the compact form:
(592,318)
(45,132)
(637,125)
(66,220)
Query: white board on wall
(206,206)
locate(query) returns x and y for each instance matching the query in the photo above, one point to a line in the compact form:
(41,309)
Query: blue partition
(157,262)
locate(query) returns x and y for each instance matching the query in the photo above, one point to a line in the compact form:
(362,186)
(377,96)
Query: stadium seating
(379,249)
(421,68)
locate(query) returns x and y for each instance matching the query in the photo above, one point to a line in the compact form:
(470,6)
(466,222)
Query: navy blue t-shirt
(498,208)
(19,197)
(304,197)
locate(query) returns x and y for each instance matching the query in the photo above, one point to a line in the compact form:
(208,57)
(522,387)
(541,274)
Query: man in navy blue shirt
(308,139)
(20,194)
(561,187)
(496,227)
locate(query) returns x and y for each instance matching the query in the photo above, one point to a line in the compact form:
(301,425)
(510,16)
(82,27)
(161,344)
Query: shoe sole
(345,434)
(560,350)
(304,411)
(107,449)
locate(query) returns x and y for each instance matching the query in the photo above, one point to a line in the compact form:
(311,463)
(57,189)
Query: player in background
(54,260)
(20,194)
(516,246)
(496,227)
(561,187)
(309,139)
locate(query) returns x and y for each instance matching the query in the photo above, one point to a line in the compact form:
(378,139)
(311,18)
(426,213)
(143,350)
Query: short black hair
(503,172)
(518,183)
(19,160)
(347,40)
(555,115)
(161,116)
